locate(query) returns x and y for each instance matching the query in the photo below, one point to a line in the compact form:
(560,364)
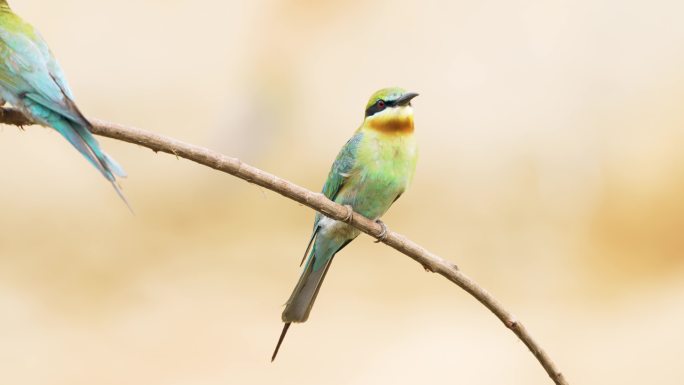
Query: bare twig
(319,203)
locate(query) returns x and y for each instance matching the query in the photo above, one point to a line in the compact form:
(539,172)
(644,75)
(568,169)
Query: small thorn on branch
(426,267)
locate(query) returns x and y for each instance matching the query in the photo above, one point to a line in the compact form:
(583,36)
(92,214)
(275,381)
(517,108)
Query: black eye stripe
(377,106)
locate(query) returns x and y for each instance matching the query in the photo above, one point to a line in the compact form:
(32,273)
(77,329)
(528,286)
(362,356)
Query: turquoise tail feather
(80,137)
(301,301)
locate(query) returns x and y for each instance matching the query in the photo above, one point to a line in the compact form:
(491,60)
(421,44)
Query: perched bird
(370,173)
(32,80)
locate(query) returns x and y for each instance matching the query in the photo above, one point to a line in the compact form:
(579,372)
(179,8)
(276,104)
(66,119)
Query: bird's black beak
(405,99)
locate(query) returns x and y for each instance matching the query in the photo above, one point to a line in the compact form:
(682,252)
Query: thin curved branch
(319,203)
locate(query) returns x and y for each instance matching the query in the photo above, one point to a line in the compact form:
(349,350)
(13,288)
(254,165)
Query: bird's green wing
(341,169)
(339,172)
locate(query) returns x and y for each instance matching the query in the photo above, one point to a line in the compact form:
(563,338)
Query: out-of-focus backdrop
(551,171)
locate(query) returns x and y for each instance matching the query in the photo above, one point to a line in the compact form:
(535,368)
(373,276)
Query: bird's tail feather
(301,301)
(280,340)
(80,137)
(114,166)
(84,132)
(304,295)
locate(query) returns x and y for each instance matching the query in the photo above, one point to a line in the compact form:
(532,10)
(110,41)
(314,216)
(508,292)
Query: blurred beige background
(551,171)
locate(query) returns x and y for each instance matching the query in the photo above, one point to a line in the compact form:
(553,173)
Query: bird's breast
(385,168)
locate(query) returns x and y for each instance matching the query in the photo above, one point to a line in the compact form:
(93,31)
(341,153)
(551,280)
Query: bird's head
(389,110)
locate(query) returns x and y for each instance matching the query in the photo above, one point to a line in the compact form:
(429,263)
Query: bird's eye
(376,107)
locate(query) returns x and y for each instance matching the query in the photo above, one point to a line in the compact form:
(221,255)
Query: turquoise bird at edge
(370,173)
(32,80)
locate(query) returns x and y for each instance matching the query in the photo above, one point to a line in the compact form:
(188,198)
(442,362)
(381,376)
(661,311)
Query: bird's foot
(350,213)
(383,235)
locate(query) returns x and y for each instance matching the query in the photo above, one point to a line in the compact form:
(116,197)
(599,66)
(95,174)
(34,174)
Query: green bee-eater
(32,80)
(370,173)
